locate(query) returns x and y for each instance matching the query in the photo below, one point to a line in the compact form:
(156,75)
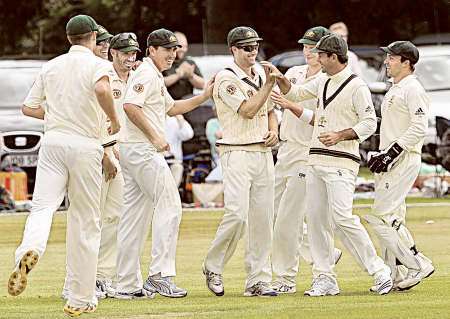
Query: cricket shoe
(164,286)
(399,275)
(282,288)
(323,285)
(104,288)
(138,294)
(414,276)
(260,289)
(78,311)
(214,282)
(383,282)
(18,280)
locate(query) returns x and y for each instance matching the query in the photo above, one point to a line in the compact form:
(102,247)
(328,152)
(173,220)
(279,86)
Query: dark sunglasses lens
(249,48)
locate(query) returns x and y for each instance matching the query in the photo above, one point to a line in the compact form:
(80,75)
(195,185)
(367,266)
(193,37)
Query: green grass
(431,299)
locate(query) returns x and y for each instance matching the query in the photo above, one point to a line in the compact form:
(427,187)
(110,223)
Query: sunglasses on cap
(248,48)
(127,35)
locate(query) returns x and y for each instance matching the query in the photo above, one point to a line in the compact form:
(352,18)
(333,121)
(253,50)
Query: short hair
(338,26)
(79,38)
(341,58)
(411,65)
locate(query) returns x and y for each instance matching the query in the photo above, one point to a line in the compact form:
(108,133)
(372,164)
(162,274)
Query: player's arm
(184,106)
(136,115)
(104,96)
(32,106)
(297,109)
(271,137)
(418,104)
(366,125)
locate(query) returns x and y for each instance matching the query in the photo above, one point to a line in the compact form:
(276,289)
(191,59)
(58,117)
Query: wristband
(306,116)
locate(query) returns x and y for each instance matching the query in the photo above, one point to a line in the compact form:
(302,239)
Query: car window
(434,72)
(16,82)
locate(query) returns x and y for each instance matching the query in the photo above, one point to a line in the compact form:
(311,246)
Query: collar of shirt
(403,81)
(80,48)
(150,62)
(242,75)
(342,75)
(116,75)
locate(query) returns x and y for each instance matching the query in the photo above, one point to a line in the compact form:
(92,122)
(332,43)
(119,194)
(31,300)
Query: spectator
(341,29)
(214,133)
(184,75)
(178,130)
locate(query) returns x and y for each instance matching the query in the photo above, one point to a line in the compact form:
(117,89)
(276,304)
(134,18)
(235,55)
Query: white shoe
(414,277)
(283,288)
(383,282)
(214,282)
(260,289)
(138,294)
(399,275)
(164,286)
(323,286)
(104,288)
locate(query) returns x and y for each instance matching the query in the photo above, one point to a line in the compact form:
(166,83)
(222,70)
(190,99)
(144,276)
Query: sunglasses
(104,42)
(249,48)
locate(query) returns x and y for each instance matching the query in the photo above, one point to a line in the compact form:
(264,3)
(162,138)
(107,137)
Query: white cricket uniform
(290,188)
(111,203)
(248,177)
(404,120)
(333,170)
(70,148)
(176,134)
(150,193)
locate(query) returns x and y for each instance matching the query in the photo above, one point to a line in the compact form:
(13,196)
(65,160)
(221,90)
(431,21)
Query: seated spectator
(177,130)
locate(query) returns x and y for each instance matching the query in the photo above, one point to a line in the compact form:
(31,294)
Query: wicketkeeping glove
(383,161)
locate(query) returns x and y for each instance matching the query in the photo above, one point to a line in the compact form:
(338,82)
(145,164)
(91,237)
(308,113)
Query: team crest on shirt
(138,88)
(250,93)
(116,93)
(368,109)
(293,80)
(231,89)
(322,121)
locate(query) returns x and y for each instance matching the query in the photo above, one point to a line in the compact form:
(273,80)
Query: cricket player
(250,129)
(289,239)
(344,117)
(76,88)
(102,43)
(150,193)
(403,127)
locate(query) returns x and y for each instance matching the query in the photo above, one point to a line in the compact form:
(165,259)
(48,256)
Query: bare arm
(184,106)
(38,112)
(271,137)
(250,107)
(104,96)
(284,103)
(137,117)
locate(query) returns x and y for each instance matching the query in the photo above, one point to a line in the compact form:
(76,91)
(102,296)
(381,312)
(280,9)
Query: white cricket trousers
(248,179)
(391,188)
(150,197)
(111,205)
(72,163)
(290,208)
(329,207)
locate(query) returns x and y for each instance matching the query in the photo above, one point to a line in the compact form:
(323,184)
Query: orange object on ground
(16,184)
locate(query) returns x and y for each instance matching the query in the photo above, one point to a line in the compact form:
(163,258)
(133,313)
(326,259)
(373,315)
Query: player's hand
(109,169)
(330,138)
(209,87)
(136,64)
(284,103)
(116,153)
(272,73)
(271,138)
(161,145)
(114,127)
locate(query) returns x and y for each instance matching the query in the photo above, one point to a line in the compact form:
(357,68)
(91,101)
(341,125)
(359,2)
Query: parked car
(20,136)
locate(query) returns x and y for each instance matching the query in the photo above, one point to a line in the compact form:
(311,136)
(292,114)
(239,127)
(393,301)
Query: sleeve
(309,90)
(36,96)
(103,68)
(185,132)
(418,104)
(139,88)
(367,120)
(168,100)
(230,94)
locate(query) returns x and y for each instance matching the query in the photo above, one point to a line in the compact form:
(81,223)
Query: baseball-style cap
(331,43)
(162,38)
(102,34)
(242,35)
(404,49)
(81,24)
(125,42)
(313,35)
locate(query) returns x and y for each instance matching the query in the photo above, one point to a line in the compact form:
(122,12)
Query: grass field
(431,299)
